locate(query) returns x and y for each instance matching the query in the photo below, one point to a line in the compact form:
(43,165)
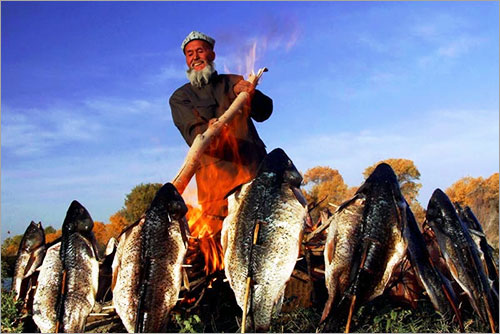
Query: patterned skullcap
(197,35)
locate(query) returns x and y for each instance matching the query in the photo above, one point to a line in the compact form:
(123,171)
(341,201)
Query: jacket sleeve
(262,106)
(185,117)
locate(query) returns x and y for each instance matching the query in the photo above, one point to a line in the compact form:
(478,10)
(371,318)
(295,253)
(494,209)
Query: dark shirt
(193,107)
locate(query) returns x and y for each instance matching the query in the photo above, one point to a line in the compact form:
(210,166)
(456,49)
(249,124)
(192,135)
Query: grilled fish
(106,272)
(68,278)
(365,244)
(484,249)
(461,256)
(29,257)
(147,272)
(344,236)
(272,200)
(48,289)
(438,288)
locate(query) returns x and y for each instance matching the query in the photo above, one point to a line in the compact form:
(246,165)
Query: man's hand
(244,86)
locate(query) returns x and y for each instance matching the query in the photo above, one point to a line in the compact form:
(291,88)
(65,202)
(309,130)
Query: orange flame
(205,228)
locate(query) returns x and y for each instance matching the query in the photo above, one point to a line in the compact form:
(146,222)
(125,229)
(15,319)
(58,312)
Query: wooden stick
(60,309)
(349,318)
(202,141)
(249,278)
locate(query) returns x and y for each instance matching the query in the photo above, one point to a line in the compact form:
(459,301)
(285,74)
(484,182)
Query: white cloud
(445,146)
(33,131)
(168,72)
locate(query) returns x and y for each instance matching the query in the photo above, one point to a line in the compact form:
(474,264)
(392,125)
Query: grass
(11,319)
(381,316)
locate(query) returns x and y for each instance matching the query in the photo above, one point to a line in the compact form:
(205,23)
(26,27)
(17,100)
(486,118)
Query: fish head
(383,173)
(33,237)
(382,178)
(77,219)
(278,162)
(441,214)
(168,201)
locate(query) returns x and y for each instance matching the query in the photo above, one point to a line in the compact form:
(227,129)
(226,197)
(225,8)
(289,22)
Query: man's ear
(212,56)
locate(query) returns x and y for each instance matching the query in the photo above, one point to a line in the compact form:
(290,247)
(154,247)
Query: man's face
(198,53)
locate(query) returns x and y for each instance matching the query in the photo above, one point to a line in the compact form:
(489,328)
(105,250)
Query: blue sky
(85,88)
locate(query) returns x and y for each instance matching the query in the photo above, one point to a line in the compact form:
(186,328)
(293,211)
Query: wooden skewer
(249,279)
(349,318)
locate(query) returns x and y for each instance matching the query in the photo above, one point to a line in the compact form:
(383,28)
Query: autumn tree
(324,186)
(481,195)
(138,200)
(117,223)
(407,174)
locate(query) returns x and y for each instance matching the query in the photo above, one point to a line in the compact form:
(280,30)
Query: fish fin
(185,279)
(185,233)
(31,261)
(349,201)
(326,309)
(478,233)
(126,229)
(329,249)
(232,191)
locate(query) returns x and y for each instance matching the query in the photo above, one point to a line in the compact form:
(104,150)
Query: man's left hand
(244,86)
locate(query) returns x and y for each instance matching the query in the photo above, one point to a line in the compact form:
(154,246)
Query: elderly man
(233,158)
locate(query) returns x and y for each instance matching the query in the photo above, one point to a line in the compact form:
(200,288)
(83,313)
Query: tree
(139,199)
(118,223)
(326,185)
(49,229)
(481,195)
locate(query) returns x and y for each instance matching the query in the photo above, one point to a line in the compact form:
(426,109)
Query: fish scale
(29,257)
(460,255)
(364,245)
(49,283)
(147,272)
(271,201)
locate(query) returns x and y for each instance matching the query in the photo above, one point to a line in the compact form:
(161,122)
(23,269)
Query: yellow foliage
(481,195)
(406,172)
(52,236)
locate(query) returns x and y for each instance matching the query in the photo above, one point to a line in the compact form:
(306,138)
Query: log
(203,141)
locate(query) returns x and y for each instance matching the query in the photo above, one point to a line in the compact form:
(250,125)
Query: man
(233,158)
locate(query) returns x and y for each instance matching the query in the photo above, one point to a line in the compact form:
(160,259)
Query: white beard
(200,78)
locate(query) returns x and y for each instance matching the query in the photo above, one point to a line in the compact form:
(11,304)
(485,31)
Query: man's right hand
(244,86)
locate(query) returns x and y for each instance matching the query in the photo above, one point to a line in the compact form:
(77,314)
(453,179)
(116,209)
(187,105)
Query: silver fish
(436,285)
(147,272)
(68,280)
(363,247)
(460,254)
(29,257)
(48,290)
(274,201)
(485,251)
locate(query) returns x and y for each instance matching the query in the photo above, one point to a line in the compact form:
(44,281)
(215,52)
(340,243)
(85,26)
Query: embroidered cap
(197,35)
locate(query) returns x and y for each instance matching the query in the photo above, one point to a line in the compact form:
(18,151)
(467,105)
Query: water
(7,283)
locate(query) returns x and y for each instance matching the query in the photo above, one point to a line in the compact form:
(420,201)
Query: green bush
(11,321)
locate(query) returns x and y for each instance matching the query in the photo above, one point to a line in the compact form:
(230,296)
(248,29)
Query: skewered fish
(68,278)
(438,288)
(29,257)
(147,272)
(460,254)
(364,245)
(484,249)
(274,202)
